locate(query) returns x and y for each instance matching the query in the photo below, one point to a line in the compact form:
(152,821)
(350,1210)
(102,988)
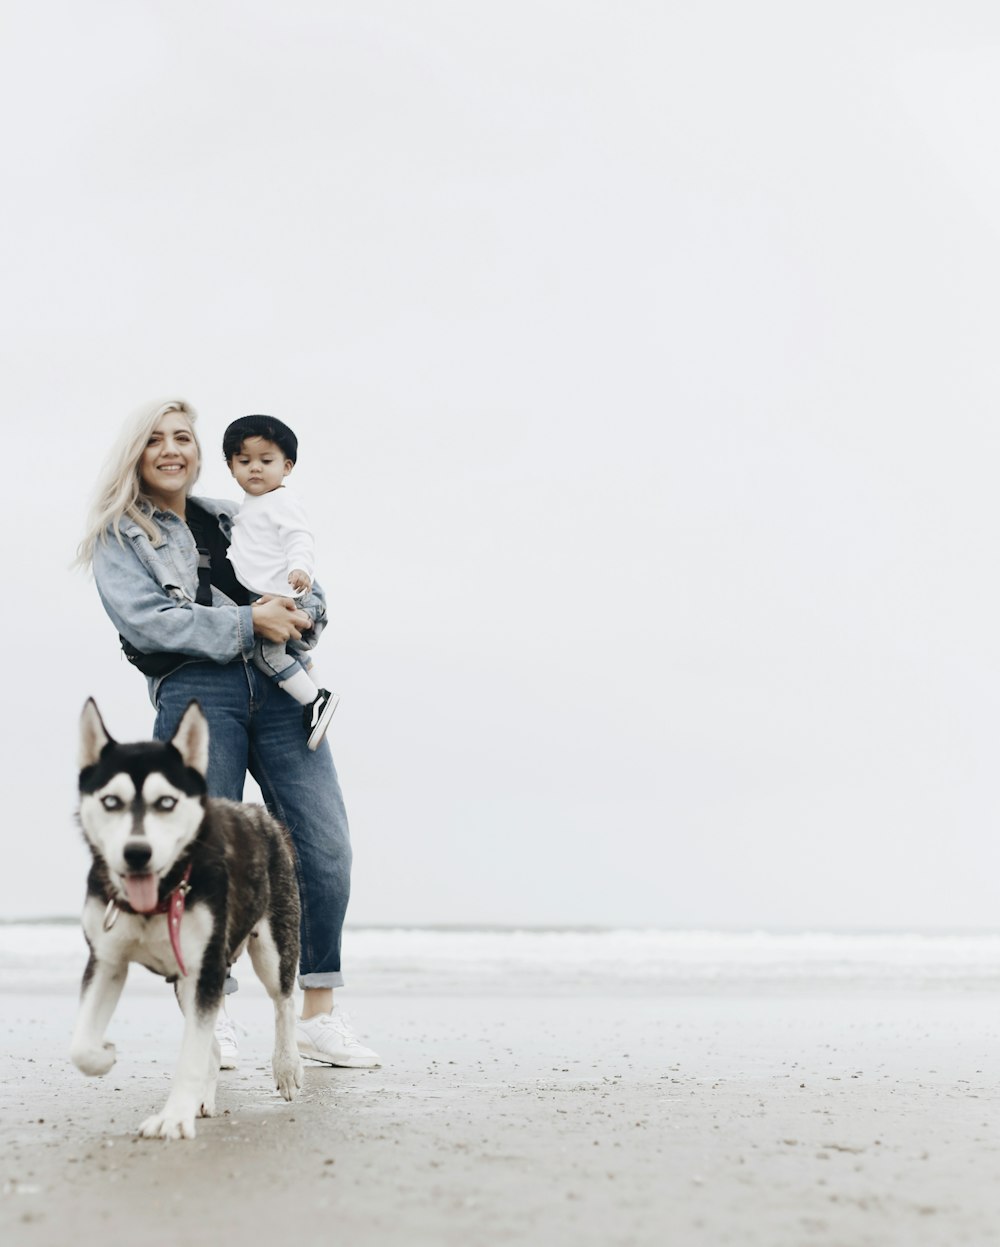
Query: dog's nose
(137,854)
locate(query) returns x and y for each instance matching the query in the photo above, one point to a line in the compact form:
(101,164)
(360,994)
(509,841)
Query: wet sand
(832,1119)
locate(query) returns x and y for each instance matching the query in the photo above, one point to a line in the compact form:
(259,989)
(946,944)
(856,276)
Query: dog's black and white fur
(145,816)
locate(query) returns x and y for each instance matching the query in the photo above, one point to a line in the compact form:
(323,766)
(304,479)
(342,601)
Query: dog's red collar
(171,905)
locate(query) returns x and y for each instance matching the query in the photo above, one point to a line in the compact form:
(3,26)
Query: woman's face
(169,464)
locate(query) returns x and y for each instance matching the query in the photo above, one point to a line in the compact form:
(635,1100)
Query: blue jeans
(253,726)
(275,661)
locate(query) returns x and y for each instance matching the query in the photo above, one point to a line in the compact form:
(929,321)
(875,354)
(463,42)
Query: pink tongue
(143,892)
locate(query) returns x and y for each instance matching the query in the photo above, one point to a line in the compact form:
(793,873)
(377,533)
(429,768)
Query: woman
(159,560)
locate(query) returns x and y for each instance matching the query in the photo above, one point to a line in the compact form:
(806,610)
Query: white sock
(301,687)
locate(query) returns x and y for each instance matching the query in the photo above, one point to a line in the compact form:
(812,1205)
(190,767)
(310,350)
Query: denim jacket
(149,593)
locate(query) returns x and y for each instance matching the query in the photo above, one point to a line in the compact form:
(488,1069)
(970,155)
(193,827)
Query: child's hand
(299,581)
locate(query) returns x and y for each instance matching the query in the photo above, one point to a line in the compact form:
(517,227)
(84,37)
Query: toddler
(272,550)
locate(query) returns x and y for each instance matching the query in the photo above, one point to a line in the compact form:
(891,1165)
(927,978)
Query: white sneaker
(225,1033)
(328,1037)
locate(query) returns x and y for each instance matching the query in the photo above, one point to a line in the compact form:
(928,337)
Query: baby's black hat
(259,426)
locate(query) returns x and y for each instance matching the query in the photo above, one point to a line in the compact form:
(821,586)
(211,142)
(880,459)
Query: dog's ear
(93,735)
(191,738)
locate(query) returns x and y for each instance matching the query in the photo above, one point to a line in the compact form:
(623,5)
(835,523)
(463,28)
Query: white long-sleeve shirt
(271,537)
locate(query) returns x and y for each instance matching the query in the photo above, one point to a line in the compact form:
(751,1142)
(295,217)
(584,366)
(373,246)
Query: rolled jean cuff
(330,978)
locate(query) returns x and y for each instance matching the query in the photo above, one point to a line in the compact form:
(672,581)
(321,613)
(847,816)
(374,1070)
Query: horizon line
(591,928)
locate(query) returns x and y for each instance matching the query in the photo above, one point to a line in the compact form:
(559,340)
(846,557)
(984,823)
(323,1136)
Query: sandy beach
(831,1116)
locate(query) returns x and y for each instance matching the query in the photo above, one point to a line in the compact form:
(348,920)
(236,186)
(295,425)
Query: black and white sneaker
(317,716)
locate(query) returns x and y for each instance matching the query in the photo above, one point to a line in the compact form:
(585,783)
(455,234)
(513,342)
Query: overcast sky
(643,358)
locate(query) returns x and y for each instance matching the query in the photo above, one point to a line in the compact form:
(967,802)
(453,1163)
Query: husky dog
(160,847)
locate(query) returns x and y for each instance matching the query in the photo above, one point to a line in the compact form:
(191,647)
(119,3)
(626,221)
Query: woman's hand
(279,619)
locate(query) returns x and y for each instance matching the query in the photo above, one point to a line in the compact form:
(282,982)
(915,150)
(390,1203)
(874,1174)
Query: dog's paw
(288,1076)
(168,1126)
(94,1061)
(207,1108)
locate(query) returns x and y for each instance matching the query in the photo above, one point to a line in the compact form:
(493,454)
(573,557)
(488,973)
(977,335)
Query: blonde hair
(119,490)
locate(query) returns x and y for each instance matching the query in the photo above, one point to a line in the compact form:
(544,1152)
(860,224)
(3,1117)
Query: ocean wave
(39,957)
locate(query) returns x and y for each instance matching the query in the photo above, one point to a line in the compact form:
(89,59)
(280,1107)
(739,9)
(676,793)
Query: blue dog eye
(165,803)
(112,803)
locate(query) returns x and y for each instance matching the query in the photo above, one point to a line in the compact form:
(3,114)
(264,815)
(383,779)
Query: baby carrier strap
(204,595)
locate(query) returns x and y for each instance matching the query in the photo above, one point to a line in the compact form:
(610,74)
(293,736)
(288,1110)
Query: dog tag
(111,915)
